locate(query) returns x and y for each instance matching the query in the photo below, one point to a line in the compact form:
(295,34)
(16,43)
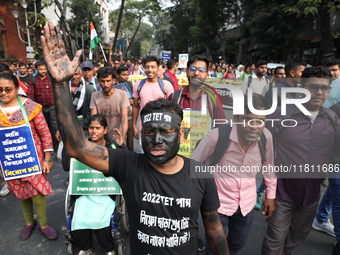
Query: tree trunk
(69,43)
(326,34)
(118,26)
(133,37)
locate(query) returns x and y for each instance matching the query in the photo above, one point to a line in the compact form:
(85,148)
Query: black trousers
(83,238)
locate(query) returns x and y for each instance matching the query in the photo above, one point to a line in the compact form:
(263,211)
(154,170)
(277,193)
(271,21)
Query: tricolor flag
(94,39)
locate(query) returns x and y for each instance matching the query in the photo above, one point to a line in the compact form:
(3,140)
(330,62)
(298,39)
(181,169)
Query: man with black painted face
(162,195)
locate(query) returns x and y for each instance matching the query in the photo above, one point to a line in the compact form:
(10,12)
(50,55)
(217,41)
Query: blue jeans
(334,190)
(261,187)
(236,228)
(324,209)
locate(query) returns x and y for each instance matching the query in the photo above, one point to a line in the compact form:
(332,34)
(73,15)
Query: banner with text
(87,181)
(18,155)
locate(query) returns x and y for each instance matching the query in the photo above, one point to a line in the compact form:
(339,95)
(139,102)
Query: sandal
(49,232)
(27,231)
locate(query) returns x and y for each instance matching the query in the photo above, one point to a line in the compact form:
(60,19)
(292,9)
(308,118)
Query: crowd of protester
(98,87)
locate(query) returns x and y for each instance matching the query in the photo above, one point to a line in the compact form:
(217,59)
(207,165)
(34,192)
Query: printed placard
(166,55)
(87,181)
(196,125)
(18,155)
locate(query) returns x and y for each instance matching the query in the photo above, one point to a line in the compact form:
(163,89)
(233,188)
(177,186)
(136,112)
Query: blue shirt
(334,94)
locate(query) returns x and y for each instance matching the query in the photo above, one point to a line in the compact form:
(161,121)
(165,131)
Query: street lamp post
(24,4)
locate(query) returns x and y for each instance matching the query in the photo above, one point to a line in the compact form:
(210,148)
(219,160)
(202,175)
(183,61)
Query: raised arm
(62,70)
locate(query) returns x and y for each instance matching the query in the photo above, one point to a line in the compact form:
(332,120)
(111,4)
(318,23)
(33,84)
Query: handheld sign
(18,155)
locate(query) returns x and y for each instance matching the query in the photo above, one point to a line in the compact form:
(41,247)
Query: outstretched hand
(58,63)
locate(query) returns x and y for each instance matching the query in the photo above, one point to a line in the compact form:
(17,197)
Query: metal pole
(82,40)
(27,30)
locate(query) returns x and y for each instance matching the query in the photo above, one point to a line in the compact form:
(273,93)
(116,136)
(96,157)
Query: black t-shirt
(162,208)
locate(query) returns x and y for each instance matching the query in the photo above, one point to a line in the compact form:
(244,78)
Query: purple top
(307,144)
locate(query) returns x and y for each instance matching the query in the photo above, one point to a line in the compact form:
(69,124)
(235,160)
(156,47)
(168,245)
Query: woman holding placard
(31,190)
(92,213)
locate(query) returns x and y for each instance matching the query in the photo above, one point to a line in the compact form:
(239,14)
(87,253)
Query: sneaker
(49,232)
(259,201)
(85,252)
(201,245)
(26,232)
(4,190)
(111,253)
(326,227)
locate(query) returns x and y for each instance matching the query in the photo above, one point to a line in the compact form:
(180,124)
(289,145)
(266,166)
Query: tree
(118,25)
(267,31)
(65,28)
(84,11)
(138,10)
(143,38)
(320,10)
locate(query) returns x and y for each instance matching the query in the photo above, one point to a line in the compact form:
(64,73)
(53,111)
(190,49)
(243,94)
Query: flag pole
(101,47)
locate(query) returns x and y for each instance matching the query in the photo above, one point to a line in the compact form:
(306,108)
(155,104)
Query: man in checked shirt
(40,90)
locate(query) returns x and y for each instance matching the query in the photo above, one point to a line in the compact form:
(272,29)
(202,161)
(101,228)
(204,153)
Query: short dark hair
(122,69)
(196,58)
(261,62)
(152,58)
(315,71)
(259,102)
(162,104)
(104,72)
(332,62)
(247,65)
(277,69)
(292,64)
(40,63)
(10,77)
(22,64)
(4,68)
(171,63)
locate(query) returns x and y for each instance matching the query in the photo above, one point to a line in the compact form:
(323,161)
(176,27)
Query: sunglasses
(7,90)
(314,88)
(194,69)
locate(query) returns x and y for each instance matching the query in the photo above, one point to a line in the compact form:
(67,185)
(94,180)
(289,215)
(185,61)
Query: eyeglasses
(7,90)
(194,69)
(116,63)
(315,87)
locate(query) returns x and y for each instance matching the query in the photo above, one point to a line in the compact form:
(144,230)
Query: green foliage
(84,11)
(138,33)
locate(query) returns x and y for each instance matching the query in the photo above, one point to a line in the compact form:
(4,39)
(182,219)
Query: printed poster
(196,125)
(183,60)
(166,55)
(87,181)
(18,155)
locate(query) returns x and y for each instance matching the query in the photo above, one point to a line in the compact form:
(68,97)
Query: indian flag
(94,39)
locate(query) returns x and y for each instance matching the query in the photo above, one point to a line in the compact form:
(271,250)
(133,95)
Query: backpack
(224,141)
(289,114)
(250,79)
(160,82)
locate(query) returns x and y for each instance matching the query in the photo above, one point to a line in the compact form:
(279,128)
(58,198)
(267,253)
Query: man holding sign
(162,200)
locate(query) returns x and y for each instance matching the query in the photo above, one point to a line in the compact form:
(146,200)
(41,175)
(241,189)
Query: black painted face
(160,142)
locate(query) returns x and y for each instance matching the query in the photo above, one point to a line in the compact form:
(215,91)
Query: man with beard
(81,95)
(258,81)
(151,90)
(88,74)
(40,90)
(23,75)
(191,96)
(161,197)
(110,102)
